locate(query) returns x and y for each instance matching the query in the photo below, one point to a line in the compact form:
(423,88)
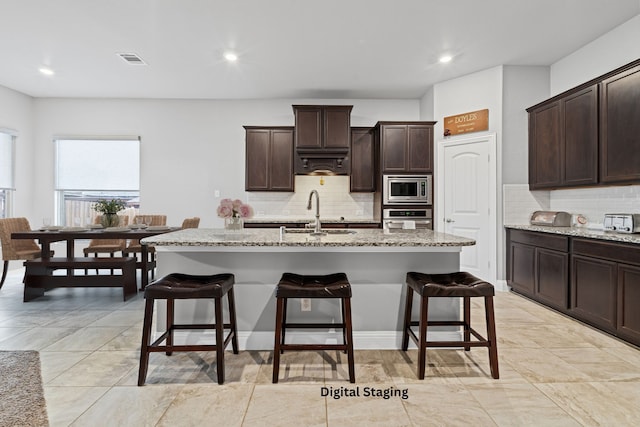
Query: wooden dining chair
(134,246)
(107,246)
(17,249)
(191,222)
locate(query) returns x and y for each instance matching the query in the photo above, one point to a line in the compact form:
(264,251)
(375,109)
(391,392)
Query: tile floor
(554,371)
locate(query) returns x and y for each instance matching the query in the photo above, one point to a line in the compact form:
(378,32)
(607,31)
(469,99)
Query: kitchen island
(376,262)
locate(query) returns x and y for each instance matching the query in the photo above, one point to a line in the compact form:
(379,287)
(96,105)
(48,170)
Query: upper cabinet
(563,141)
(319,127)
(269,158)
(363,160)
(620,127)
(589,135)
(406,147)
(322,138)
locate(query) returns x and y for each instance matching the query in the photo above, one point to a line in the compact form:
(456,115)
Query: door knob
(449,220)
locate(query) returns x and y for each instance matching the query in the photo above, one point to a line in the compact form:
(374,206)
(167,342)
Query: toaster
(551,218)
(622,223)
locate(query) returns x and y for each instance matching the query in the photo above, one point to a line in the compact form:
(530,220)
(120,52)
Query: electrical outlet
(305,304)
(216,193)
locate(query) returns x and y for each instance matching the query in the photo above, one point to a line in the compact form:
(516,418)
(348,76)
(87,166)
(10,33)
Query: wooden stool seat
(184,286)
(459,284)
(307,286)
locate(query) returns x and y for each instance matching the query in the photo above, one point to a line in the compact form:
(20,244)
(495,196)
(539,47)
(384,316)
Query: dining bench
(39,274)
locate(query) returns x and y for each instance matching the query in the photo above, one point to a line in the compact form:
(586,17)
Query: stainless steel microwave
(407,189)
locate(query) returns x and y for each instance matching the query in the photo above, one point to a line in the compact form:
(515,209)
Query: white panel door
(469,201)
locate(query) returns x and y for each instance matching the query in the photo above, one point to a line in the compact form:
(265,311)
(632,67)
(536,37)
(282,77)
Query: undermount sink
(323,231)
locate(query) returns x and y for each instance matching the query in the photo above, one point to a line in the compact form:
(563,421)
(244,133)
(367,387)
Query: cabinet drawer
(619,252)
(542,240)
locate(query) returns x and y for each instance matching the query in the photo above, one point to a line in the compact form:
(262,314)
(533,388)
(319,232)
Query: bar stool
(300,286)
(460,284)
(184,286)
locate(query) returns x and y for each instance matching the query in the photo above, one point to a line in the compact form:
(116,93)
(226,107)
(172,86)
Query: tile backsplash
(335,200)
(519,202)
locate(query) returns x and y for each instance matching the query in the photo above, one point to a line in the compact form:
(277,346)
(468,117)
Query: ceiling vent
(132,58)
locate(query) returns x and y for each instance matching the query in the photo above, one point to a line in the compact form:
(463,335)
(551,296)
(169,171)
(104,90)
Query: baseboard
(364,340)
(501,286)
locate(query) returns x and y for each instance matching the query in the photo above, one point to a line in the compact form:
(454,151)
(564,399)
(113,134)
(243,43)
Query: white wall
(16,113)
(614,49)
(190,148)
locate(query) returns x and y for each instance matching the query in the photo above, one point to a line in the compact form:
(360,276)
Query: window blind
(97,164)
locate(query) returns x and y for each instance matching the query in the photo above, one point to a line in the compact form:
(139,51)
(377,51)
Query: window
(89,169)
(7,140)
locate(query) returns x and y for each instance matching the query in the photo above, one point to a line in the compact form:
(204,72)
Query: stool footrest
(313,347)
(314,325)
(482,341)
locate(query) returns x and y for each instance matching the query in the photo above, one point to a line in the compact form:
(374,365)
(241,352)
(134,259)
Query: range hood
(322,136)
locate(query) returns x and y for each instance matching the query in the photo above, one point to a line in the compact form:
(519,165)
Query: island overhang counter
(376,262)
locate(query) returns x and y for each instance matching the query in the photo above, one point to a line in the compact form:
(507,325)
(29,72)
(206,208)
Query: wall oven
(407,218)
(406,189)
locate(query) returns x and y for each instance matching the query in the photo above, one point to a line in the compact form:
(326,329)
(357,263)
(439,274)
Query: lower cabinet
(595,281)
(538,267)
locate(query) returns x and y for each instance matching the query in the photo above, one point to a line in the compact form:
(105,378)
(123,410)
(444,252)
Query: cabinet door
(620,127)
(580,136)
(308,129)
(594,291)
(257,160)
(522,268)
(628,302)
(337,127)
(281,160)
(394,148)
(420,148)
(552,278)
(545,155)
(362,161)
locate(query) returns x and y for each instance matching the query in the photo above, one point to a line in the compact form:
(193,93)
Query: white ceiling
(287,48)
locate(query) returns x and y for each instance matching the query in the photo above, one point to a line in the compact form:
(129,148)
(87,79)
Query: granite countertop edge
(271,237)
(586,233)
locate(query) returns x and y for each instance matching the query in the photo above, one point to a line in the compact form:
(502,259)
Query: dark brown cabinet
(593,280)
(538,266)
(406,147)
(620,127)
(269,158)
(588,135)
(563,141)
(363,161)
(322,127)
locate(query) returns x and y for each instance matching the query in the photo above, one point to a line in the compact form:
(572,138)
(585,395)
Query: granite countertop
(271,237)
(581,232)
(270,220)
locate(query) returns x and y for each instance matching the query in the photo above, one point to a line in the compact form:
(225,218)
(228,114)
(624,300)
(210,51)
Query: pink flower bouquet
(234,209)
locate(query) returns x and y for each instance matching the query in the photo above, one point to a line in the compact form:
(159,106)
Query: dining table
(47,236)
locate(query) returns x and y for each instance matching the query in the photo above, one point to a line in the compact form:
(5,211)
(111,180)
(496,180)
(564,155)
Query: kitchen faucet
(317,229)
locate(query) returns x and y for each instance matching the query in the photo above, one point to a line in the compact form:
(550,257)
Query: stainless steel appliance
(551,218)
(407,218)
(622,223)
(406,189)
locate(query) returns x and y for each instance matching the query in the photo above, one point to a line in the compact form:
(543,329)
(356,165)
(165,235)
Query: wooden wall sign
(474,121)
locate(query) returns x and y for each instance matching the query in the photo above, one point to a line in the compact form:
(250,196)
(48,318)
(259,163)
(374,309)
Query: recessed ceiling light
(230,56)
(46,71)
(445,58)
